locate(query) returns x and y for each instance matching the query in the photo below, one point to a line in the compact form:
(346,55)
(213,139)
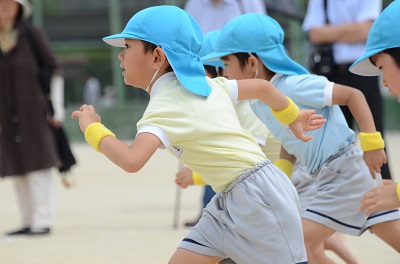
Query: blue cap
(209,44)
(384,34)
(259,34)
(180,37)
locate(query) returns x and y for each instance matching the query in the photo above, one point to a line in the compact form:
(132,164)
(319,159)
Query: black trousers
(369,86)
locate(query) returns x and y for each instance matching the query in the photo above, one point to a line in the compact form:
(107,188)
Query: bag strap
(35,53)
(326,11)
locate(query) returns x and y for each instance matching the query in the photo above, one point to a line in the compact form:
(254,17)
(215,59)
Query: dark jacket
(26,140)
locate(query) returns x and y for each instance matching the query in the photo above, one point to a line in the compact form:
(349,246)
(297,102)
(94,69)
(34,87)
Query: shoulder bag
(321,60)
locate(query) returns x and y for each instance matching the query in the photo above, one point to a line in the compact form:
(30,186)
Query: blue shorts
(256,219)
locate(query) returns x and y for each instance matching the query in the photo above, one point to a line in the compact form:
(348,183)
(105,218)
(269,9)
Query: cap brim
(363,65)
(117,40)
(275,59)
(215,55)
(190,72)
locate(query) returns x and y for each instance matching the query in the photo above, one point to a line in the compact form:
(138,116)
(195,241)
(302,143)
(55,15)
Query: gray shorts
(341,183)
(256,219)
(304,183)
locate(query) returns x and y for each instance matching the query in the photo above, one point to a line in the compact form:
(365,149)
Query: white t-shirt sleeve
(368,10)
(230,86)
(315,16)
(328,93)
(340,12)
(233,91)
(158,132)
(57,97)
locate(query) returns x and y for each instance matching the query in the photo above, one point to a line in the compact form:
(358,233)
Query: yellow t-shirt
(269,145)
(203,133)
(251,122)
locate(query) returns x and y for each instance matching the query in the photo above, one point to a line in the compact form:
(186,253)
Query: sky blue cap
(260,34)
(384,34)
(209,44)
(180,37)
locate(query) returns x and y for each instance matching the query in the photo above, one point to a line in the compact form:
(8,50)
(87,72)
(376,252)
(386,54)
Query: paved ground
(113,217)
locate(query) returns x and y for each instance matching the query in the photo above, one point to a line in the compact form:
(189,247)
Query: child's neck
(267,75)
(159,75)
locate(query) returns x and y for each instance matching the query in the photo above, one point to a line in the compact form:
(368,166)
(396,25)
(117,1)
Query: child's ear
(253,62)
(159,58)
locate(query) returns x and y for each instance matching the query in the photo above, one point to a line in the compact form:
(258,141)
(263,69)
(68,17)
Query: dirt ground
(111,217)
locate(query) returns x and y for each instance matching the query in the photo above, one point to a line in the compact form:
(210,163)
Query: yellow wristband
(285,165)
(398,191)
(95,132)
(288,115)
(371,141)
(197,179)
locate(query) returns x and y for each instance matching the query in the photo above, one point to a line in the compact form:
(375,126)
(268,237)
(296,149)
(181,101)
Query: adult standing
(349,24)
(92,90)
(27,146)
(213,15)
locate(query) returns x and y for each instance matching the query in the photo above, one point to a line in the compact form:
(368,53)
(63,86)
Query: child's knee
(389,232)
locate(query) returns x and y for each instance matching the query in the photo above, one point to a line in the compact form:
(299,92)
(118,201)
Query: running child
(247,118)
(342,172)
(382,56)
(194,118)
(305,185)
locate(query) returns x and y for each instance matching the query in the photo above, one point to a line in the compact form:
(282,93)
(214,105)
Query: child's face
(234,71)
(136,64)
(390,72)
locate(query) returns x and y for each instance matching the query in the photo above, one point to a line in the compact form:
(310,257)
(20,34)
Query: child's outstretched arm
(371,140)
(130,158)
(283,108)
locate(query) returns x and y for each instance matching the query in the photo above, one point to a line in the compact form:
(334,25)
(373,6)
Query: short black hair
(242,58)
(214,71)
(148,46)
(393,52)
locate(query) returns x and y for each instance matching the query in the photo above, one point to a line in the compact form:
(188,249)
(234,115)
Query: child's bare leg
(320,256)
(336,244)
(183,256)
(314,235)
(388,232)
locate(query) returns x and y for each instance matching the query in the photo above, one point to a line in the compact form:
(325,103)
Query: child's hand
(87,115)
(184,178)
(374,160)
(306,121)
(380,198)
